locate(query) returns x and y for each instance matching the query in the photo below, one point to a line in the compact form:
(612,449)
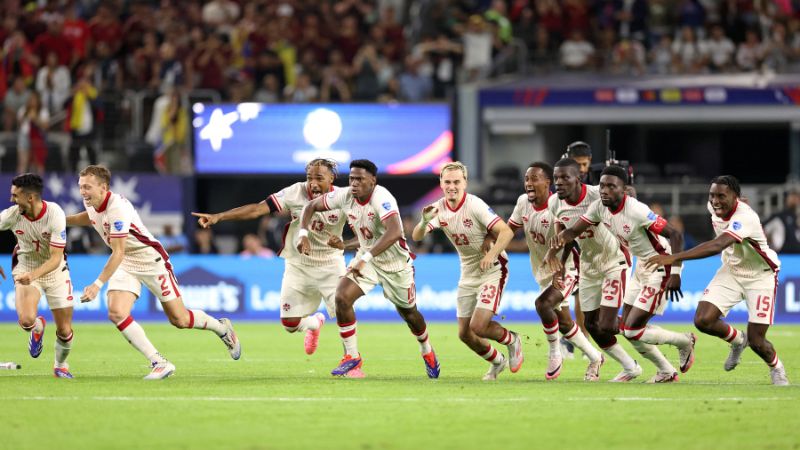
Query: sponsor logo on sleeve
(492,211)
(387,206)
(736,226)
(118,225)
(64,234)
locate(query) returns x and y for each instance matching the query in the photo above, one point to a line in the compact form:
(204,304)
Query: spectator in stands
(19,60)
(777,49)
(81,119)
(543,55)
(204,242)
(105,27)
(16,98)
(302,92)
(720,51)
(498,14)
(477,41)
(692,14)
(750,53)
(367,66)
(661,56)
(268,92)
(53,84)
(576,52)
(660,18)
(172,150)
(54,41)
(550,17)
(169,69)
(629,57)
(108,75)
(143,62)
(31,138)
(268,63)
(252,246)
(221,14)
(783,229)
(210,62)
(632,18)
(348,40)
(414,87)
(576,16)
(689,55)
(173,242)
(443,55)
(336,79)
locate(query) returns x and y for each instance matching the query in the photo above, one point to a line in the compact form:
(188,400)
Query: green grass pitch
(276,397)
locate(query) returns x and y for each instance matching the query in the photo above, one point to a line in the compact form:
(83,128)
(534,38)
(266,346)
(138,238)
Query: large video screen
(281,139)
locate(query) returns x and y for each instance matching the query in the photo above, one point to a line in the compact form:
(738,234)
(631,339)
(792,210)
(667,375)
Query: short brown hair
(100,172)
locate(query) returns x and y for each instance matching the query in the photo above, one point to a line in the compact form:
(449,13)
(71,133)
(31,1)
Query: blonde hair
(455,165)
(102,174)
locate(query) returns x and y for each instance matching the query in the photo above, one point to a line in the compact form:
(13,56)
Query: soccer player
(749,271)
(531,215)
(466,220)
(383,258)
(39,266)
(639,229)
(307,279)
(581,152)
(136,258)
(603,267)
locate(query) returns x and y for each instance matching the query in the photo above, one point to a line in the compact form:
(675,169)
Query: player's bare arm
(704,250)
(673,287)
(246,212)
(52,263)
(316,205)
(337,242)
(504,236)
(79,220)
(421,229)
(569,235)
(114,260)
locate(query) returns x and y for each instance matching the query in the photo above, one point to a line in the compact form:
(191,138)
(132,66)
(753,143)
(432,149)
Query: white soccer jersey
(466,226)
(35,236)
(599,247)
(367,220)
(116,218)
(750,256)
(539,226)
(634,225)
(324,224)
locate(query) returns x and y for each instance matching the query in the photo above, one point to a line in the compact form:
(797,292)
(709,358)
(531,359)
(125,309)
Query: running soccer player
(749,271)
(39,266)
(639,229)
(466,220)
(383,258)
(307,279)
(603,267)
(136,258)
(531,215)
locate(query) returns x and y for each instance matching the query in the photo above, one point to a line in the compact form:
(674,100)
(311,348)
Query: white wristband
(98,283)
(366,257)
(675,270)
(302,233)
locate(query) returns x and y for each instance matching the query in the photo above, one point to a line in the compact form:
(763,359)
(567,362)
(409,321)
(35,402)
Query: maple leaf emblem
(626,228)
(468,223)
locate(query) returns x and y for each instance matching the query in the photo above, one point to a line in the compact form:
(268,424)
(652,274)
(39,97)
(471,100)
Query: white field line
(391,399)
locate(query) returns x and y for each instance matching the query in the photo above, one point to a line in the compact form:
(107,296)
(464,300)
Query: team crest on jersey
(286,306)
(565,219)
(20,232)
(46,236)
(468,223)
(371,215)
(651,215)
(333,217)
(442,223)
(118,225)
(626,228)
(387,206)
(545,223)
(64,234)
(525,219)
(737,226)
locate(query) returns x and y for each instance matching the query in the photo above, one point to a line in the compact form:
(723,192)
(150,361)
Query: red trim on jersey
(14,257)
(758,250)
(104,205)
(118,235)
(514,225)
(460,203)
(576,257)
(580,199)
(503,277)
(544,205)
(621,205)
(585,219)
(275,202)
(56,245)
(730,214)
(404,246)
(283,238)
(493,223)
(774,297)
(655,243)
(623,280)
(365,201)
(124,324)
(658,226)
(134,231)
(660,295)
(626,253)
(389,214)
(173,281)
(734,235)
(40,215)
(429,227)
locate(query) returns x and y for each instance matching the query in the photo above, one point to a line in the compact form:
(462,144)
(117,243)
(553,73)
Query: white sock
(134,333)
(38,325)
(200,320)
(424,344)
(578,339)
(348,334)
(62,346)
(551,334)
(734,336)
(659,336)
(621,356)
(493,356)
(309,323)
(652,353)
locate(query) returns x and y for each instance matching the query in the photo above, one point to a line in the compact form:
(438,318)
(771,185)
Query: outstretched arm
(79,220)
(704,250)
(245,212)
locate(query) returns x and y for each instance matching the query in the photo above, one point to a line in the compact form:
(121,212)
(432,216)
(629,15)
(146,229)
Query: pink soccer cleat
(312,336)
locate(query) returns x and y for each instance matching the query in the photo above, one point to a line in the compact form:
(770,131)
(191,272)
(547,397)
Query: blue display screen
(265,138)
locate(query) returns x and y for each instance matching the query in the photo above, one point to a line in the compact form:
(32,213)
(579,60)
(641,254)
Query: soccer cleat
(778,375)
(312,336)
(736,353)
(554,366)
(431,364)
(664,377)
(347,364)
(593,371)
(231,340)
(62,372)
(627,374)
(355,373)
(35,342)
(495,369)
(686,355)
(515,355)
(160,370)
(567,348)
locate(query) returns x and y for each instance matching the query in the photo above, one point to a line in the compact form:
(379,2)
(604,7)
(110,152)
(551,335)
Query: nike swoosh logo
(555,371)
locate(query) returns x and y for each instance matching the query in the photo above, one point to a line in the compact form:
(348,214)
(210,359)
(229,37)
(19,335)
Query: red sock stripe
(124,324)
(347,334)
(572,332)
(424,331)
(731,334)
(491,356)
(613,343)
(191,319)
(422,337)
(505,337)
(551,328)
(66,339)
(639,335)
(774,360)
(26,328)
(346,324)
